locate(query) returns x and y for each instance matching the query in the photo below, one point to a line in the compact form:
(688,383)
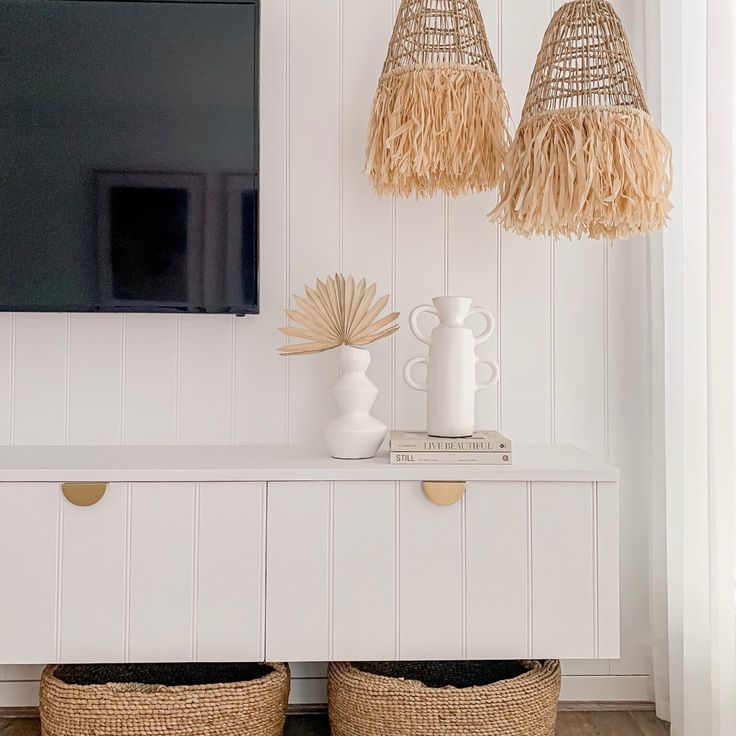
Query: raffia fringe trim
(601,172)
(437,127)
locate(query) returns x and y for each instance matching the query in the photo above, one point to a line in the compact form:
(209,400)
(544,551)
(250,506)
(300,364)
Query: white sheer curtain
(691,74)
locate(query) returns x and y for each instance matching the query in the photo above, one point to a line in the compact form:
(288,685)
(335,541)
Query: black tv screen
(129,156)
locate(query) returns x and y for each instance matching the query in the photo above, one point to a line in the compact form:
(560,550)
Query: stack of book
(419,448)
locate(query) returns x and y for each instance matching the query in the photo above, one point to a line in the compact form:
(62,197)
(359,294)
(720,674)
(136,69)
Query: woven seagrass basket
(441,698)
(172,699)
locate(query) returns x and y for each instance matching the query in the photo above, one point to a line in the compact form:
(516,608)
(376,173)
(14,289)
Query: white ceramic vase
(354,433)
(451,365)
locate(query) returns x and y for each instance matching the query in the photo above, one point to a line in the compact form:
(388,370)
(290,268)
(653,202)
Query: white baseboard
(308,691)
(19,694)
(19,672)
(313,690)
(598,688)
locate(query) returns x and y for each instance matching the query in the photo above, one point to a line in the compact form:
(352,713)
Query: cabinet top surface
(274,463)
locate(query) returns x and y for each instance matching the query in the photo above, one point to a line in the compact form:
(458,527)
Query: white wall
(572,317)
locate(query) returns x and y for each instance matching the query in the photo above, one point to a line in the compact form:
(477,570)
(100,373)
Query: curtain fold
(692,289)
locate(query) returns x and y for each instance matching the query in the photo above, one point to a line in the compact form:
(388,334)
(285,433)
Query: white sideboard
(252,553)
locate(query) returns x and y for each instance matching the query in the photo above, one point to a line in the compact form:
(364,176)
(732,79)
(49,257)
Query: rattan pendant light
(587,158)
(439,119)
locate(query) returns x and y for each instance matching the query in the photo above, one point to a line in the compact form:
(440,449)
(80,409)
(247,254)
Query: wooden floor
(622,723)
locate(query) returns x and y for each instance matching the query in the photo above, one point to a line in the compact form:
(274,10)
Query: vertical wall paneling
(6,376)
(233,631)
(580,350)
(430,562)
(628,421)
(366,223)
(161,588)
(526,265)
(526,393)
(608,603)
(95,379)
(205,380)
(364,571)
(563,569)
(314,193)
(93,564)
(259,376)
(150,402)
(29,573)
(40,379)
(496,562)
(298,548)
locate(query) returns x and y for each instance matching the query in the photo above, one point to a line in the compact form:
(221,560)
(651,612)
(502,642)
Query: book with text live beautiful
(450,458)
(481,441)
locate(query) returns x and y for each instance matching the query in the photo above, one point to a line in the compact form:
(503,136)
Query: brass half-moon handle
(83,494)
(443,492)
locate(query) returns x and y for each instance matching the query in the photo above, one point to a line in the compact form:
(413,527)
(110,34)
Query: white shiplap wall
(572,317)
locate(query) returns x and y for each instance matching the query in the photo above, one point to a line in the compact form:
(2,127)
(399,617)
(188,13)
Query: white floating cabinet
(153,572)
(221,554)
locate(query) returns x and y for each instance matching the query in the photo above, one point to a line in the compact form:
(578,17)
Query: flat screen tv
(129,156)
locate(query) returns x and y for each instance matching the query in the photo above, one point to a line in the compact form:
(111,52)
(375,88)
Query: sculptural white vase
(451,365)
(354,433)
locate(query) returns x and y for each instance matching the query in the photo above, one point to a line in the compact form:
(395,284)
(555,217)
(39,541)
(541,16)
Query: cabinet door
(563,570)
(29,577)
(431,577)
(94,583)
(331,571)
(375,570)
(151,572)
(498,596)
(298,571)
(362,570)
(195,581)
(230,577)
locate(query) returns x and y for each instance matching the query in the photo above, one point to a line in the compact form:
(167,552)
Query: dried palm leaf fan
(439,119)
(338,312)
(587,157)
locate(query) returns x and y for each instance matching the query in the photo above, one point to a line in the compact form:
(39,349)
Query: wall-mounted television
(129,156)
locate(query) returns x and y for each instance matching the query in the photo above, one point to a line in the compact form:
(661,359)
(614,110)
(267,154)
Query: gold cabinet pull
(443,492)
(83,494)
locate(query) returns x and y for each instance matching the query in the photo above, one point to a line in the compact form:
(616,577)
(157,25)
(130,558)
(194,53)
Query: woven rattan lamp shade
(439,119)
(587,158)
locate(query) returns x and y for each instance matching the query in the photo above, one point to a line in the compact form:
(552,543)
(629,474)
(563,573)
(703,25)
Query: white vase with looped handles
(451,382)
